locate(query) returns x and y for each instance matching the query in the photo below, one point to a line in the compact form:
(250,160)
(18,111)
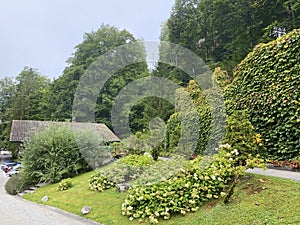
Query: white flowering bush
(99,182)
(198,181)
(65,184)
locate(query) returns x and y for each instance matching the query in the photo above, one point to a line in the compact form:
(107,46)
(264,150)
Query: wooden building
(23,129)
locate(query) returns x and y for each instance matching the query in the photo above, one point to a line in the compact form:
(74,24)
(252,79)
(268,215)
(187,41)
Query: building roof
(23,129)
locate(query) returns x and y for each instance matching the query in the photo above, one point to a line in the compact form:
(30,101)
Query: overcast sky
(42,34)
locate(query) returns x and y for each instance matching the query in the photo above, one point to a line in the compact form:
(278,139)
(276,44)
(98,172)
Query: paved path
(14,210)
(276,173)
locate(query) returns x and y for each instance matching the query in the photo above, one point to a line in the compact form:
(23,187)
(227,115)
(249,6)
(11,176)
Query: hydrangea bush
(193,184)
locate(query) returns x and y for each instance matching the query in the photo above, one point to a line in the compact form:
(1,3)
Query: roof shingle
(23,129)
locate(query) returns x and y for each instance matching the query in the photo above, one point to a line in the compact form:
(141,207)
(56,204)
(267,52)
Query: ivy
(267,85)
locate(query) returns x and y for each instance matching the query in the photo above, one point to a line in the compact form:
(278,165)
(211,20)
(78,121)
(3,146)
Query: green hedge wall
(267,85)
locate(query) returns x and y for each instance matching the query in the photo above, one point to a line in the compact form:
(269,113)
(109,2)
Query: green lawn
(257,200)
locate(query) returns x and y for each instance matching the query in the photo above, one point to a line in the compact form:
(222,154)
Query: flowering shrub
(198,181)
(99,182)
(65,184)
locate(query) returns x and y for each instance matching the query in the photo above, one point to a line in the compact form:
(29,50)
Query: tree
(94,45)
(7,93)
(224,32)
(24,98)
(28,102)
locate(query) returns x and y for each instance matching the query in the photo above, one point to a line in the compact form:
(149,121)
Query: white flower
(235,152)
(225,146)
(223,194)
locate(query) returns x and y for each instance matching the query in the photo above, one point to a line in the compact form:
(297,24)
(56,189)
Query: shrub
(267,85)
(65,184)
(205,130)
(51,155)
(198,181)
(13,186)
(136,144)
(100,182)
(128,168)
(240,135)
(161,170)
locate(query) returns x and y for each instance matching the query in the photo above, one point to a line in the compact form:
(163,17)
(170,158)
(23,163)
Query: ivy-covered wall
(267,85)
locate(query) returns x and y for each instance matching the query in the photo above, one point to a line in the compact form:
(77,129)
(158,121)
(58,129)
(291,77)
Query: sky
(42,34)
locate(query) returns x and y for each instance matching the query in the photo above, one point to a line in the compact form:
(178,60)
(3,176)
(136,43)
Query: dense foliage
(94,45)
(22,98)
(240,135)
(197,182)
(130,167)
(222,32)
(267,86)
(197,121)
(51,155)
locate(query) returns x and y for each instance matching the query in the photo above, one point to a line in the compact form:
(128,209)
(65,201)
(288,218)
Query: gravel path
(15,210)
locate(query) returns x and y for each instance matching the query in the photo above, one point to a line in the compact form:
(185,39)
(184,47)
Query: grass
(257,200)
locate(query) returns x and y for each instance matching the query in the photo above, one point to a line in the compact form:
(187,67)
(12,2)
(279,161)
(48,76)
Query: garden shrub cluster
(267,85)
(137,160)
(128,168)
(99,182)
(209,123)
(161,170)
(197,182)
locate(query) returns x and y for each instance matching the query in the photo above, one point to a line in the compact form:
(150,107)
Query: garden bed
(288,165)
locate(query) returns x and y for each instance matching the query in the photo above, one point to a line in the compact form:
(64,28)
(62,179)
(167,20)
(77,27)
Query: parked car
(5,152)
(8,164)
(14,170)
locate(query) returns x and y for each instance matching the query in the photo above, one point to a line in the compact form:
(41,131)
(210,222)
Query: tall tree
(222,32)
(7,93)
(28,102)
(23,98)
(94,45)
